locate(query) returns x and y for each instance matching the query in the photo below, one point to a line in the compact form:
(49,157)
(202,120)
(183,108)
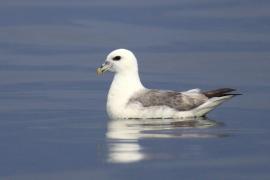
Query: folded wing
(181,101)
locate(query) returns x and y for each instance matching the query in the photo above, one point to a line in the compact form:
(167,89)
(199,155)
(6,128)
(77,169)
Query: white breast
(122,88)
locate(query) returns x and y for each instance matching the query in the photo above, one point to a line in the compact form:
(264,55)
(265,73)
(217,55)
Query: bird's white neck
(123,86)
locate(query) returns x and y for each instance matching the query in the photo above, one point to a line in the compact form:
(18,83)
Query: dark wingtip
(220,92)
(236,94)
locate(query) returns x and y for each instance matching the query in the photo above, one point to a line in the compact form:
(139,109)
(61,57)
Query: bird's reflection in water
(123,135)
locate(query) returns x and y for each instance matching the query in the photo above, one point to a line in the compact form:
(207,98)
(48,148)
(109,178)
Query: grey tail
(220,92)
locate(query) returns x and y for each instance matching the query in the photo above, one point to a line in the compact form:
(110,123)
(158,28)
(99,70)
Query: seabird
(129,99)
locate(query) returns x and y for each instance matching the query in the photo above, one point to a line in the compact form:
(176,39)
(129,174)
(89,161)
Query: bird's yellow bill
(99,71)
(103,68)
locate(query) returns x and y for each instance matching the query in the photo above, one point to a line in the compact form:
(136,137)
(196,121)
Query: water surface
(53,123)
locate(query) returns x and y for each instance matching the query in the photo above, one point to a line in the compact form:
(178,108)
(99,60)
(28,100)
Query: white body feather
(124,86)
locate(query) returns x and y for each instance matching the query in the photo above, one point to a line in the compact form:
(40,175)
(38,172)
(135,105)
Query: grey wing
(176,100)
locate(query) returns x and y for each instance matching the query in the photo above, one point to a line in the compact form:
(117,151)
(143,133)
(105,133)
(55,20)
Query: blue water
(53,123)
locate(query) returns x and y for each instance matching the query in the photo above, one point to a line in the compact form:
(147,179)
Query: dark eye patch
(116,58)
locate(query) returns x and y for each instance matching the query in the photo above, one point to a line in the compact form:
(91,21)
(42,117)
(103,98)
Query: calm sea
(53,122)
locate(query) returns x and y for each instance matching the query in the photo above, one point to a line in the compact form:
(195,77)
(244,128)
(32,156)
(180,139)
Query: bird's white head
(119,61)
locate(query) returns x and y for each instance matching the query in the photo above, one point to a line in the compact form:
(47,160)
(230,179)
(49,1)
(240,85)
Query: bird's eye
(116,58)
